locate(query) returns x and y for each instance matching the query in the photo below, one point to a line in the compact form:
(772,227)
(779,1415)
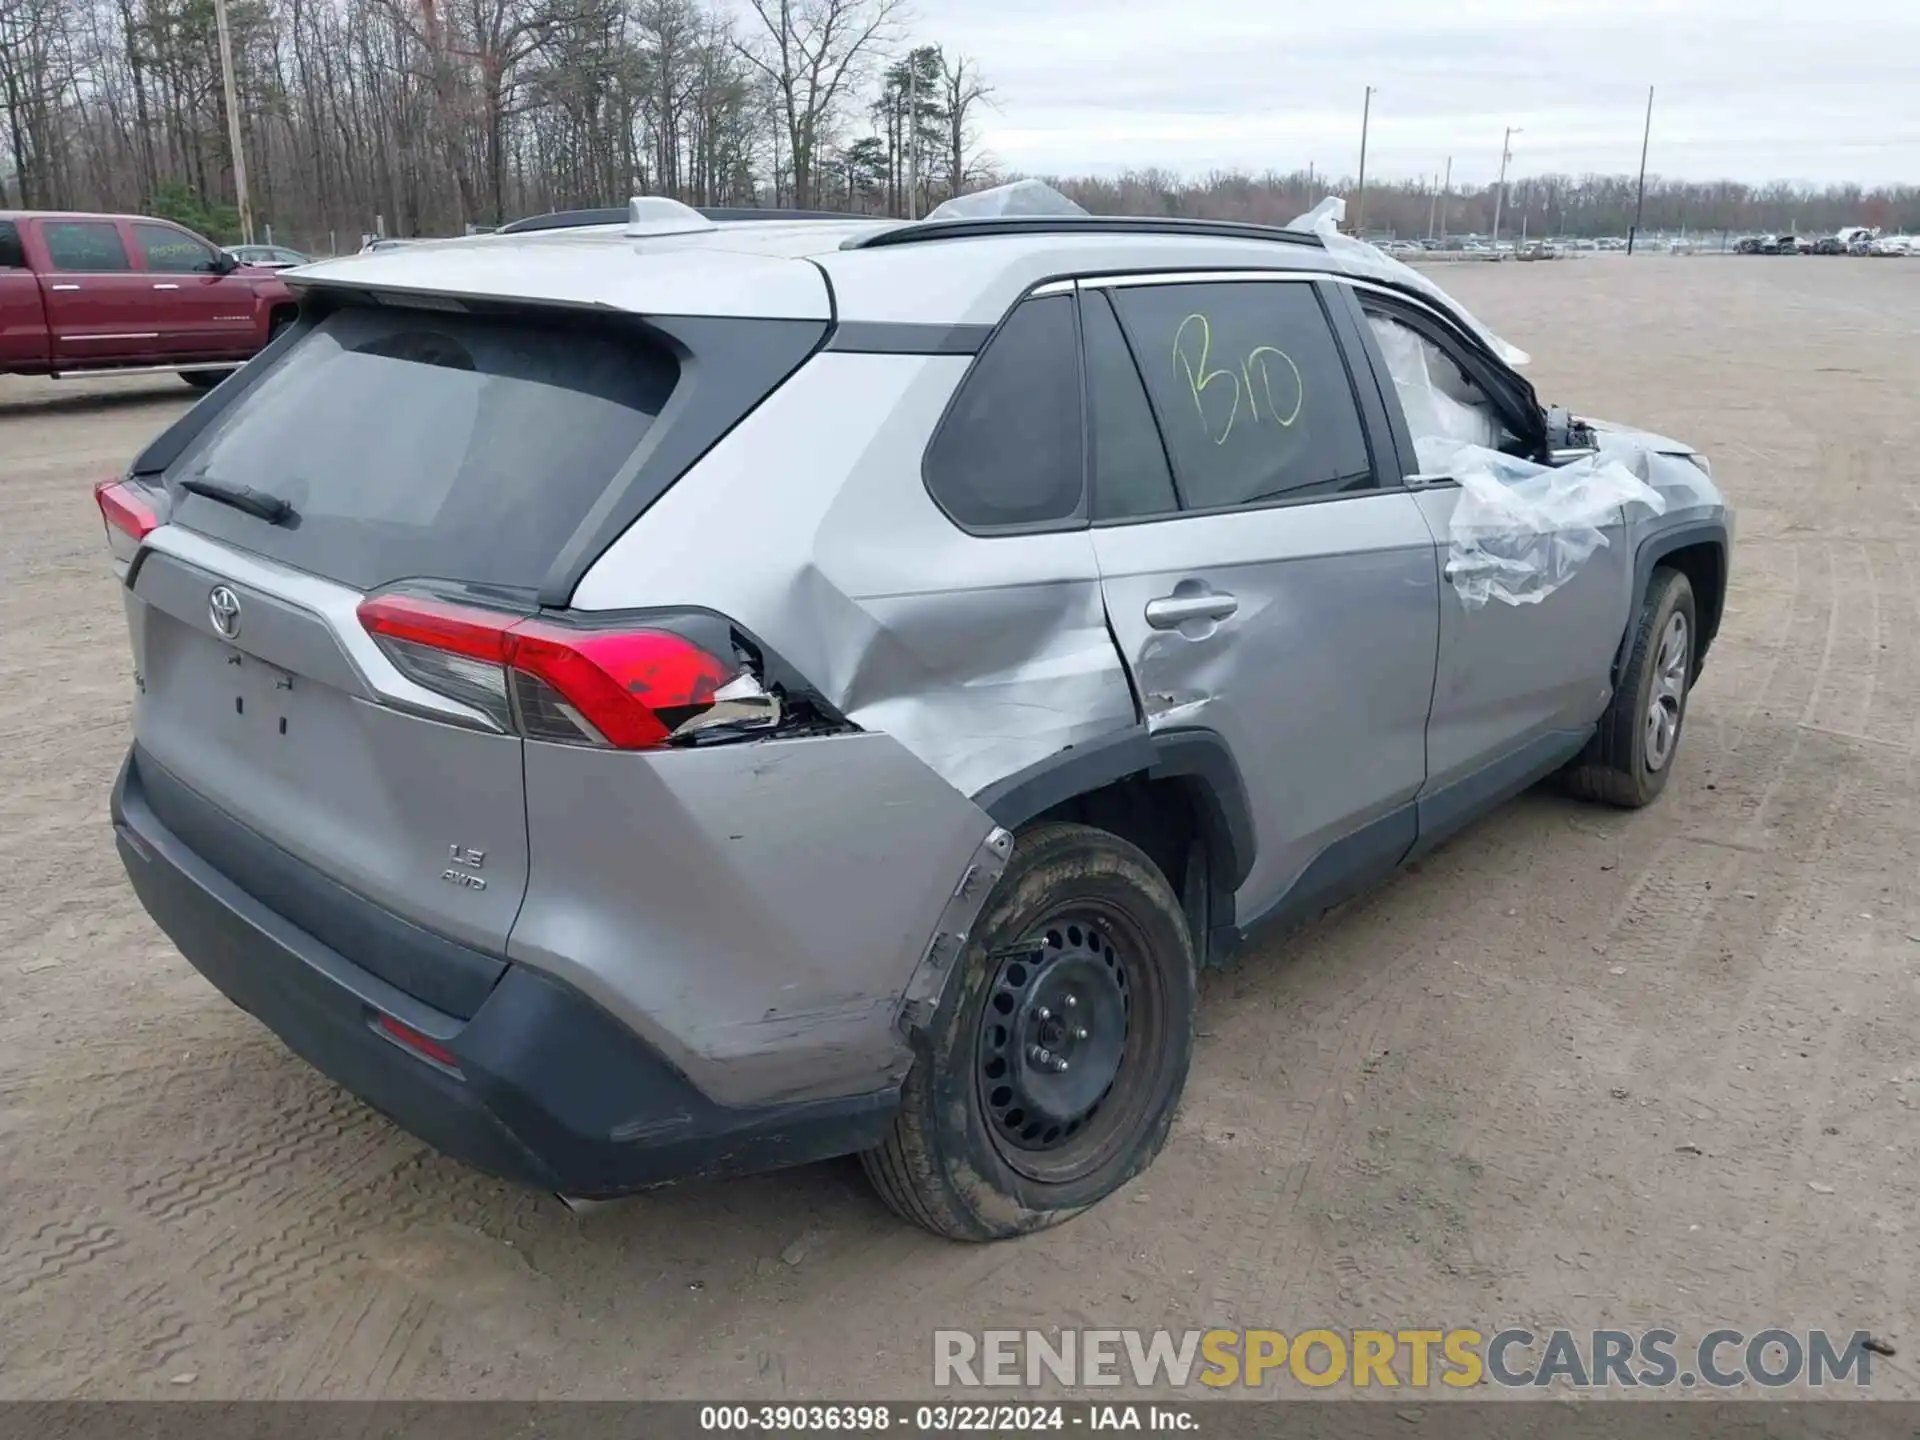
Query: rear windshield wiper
(259,503)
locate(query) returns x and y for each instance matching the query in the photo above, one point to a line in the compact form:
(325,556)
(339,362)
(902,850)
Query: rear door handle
(63,287)
(164,286)
(1169,612)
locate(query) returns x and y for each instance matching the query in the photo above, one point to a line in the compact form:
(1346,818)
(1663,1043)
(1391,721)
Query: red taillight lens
(412,1039)
(129,516)
(629,688)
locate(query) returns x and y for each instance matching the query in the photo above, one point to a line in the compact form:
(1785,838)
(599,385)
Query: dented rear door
(1273,594)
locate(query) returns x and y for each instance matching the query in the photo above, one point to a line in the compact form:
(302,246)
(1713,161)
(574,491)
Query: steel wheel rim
(1057,1126)
(1669,697)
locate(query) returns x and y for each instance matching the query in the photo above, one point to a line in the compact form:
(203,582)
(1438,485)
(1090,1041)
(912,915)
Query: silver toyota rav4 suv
(686,697)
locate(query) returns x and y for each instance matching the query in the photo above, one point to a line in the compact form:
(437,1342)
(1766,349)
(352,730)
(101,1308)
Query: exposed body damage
(841,715)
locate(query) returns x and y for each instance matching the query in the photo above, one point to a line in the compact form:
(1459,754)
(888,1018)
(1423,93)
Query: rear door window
(12,255)
(1130,474)
(1250,389)
(1010,452)
(86,246)
(425,444)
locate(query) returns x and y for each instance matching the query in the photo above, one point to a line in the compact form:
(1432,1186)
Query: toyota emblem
(223,609)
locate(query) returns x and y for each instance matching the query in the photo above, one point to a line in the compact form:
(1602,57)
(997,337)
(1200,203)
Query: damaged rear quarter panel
(810,525)
(754,912)
(761,907)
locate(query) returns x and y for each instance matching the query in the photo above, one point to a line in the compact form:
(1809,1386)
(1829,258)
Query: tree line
(1544,205)
(427,117)
(431,116)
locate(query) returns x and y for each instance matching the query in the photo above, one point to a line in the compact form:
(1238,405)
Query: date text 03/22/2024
(936,1419)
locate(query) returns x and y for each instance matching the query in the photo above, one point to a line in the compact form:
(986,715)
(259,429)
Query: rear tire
(1050,1075)
(1632,753)
(204,379)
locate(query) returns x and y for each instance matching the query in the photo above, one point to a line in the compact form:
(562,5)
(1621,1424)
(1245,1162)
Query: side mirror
(224,263)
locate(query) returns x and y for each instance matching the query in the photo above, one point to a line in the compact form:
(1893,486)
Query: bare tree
(962,87)
(815,52)
(424,114)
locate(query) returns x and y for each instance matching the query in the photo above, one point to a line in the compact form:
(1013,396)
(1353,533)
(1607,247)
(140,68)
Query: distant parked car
(105,294)
(1893,245)
(1829,245)
(268,257)
(1860,245)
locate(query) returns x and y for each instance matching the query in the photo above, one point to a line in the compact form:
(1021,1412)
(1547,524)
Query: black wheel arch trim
(1646,560)
(1031,792)
(1197,755)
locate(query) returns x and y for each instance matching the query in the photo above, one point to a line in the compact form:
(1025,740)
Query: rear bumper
(550,1090)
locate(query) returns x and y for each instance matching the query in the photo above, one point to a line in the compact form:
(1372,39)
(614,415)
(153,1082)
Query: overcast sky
(1749,89)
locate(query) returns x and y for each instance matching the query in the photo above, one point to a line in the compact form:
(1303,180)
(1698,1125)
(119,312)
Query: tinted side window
(84,245)
(1130,475)
(12,256)
(173,251)
(1010,451)
(1250,389)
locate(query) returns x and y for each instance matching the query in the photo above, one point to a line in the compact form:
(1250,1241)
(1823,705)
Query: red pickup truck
(110,294)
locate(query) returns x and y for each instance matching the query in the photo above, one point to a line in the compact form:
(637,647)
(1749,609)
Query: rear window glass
(1009,451)
(84,245)
(422,444)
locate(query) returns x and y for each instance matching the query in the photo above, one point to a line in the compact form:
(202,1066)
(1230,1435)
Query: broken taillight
(628,687)
(131,514)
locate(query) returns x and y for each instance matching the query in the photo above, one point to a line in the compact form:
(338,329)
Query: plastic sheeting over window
(1520,530)
(1022,197)
(1440,402)
(1324,220)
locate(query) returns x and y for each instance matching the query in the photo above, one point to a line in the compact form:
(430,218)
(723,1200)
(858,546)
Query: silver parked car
(268,257)
(684,698)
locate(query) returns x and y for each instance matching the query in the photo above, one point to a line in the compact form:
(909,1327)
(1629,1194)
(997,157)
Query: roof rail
(915,232)
(572,219)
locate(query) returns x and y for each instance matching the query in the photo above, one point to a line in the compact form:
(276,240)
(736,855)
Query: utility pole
(1360,206)
(1640,203)
(1433,207)
(913,139)
(1500,195)
(1446,198)
(233,122)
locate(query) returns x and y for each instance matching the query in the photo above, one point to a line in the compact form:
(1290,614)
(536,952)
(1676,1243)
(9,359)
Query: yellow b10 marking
(1258,361)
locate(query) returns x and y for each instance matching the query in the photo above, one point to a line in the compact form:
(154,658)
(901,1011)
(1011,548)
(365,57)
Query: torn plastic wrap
(1436,405)
(1022,197)
(1324,220)
(1520,530)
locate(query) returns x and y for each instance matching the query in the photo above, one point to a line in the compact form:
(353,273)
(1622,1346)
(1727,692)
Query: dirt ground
(1579,1067)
